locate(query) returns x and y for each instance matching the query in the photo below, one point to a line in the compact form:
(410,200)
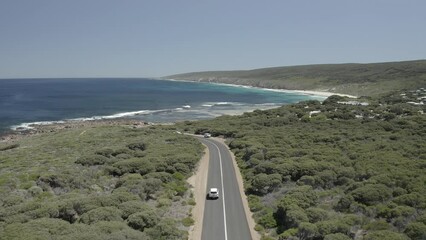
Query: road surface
(225,217)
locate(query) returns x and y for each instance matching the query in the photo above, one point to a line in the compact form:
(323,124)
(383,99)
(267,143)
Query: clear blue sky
(151,38)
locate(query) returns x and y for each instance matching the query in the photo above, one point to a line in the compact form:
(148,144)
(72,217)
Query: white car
(213,193)
(207,135)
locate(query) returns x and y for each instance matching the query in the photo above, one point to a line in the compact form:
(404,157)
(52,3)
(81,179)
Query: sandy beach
(318,93)
(42,127)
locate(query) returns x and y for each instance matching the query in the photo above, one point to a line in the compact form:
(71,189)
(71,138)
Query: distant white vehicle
(186,106)
(213,193)
(207,135)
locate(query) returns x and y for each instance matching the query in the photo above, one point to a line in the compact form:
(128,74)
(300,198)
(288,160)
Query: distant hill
(352,78)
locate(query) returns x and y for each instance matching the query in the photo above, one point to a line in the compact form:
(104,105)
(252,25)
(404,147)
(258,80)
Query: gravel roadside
(198,181)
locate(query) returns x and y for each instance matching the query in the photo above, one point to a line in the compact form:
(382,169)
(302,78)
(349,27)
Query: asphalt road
(224,218)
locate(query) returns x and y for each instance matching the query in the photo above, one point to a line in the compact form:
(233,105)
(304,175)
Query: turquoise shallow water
(42,101)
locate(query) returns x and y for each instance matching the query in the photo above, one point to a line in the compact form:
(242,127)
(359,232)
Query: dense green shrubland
(346,172)
(97,183)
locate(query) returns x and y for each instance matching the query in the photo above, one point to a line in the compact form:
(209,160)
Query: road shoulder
(198,183)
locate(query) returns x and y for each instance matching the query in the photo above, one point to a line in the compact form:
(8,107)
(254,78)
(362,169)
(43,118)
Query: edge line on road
(223,192)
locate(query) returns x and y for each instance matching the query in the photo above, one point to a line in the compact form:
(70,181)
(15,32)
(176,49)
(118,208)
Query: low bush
(372,194)
(92,160)
(165,230)
(96,185)
(9,147)
(385,234)
(137,146)
(316,214)
(188,221)
(337,236)
(131,207)
(333,226)
(263,183)
(134,165)
(267,220)
(101,214)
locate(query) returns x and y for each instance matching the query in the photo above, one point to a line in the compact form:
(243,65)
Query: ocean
(43,101)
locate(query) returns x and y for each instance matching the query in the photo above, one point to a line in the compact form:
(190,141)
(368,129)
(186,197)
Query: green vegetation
(101,182)
(340,169)
(355,79)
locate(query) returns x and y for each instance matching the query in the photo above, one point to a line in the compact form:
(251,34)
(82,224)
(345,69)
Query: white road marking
(223,192)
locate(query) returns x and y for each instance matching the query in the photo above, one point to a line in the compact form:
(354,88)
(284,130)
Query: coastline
(32,128)
(14,135)
(316,93)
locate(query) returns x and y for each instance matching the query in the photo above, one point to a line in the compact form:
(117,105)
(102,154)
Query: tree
(267,220)
(142,220)
(316,214)
(371,194)
(416,231)
(302,196)
(307,231)
(344,203)
(333,226)
(326,179)
(289,216)
(263,183)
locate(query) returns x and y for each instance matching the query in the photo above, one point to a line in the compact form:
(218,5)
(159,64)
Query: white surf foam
(30,125)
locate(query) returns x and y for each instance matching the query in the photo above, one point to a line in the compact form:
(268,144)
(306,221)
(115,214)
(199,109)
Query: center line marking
(223,192)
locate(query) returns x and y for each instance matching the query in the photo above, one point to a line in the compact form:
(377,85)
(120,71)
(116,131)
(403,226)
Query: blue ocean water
(40,101)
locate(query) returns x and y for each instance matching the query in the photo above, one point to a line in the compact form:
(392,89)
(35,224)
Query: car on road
(213,193)
(207,135)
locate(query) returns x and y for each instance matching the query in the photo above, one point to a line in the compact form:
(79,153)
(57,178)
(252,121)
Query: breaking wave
(186,112)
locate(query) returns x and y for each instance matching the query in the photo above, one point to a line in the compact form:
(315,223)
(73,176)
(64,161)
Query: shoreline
(24,129)
(317,93)
(14,135)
